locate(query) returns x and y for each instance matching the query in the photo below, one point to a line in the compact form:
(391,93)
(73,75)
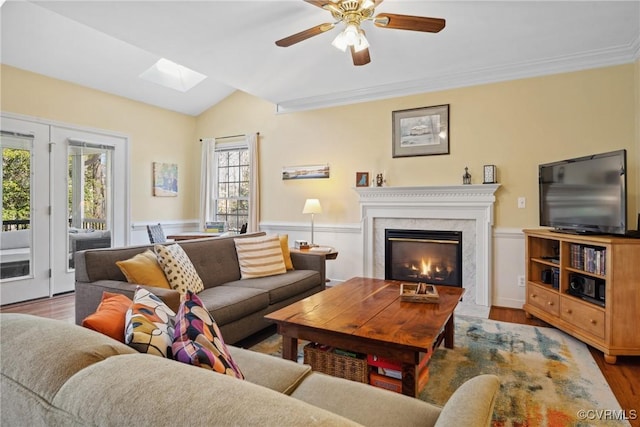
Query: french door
(25,236)
(90,201)
(64,190)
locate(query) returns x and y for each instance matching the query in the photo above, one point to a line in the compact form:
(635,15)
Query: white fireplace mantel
(453,202)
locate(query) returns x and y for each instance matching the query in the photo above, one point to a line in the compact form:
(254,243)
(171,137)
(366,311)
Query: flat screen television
(586,195)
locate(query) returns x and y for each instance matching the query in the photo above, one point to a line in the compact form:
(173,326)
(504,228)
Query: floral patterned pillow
(149,324)
(198,340)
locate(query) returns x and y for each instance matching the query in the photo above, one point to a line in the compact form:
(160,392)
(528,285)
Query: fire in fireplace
(429,256)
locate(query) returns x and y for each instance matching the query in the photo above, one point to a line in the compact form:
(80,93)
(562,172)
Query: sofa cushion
(337,395)
(172,393)
(268,371)
(198,340)
(286,253)
(109,318)
(177,266)
(282,286)
(31,344)
(144,269)
(260,257)
(150,324)
(230,303)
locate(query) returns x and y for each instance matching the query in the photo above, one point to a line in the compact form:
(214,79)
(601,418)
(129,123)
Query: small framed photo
(421,131)
(362,179)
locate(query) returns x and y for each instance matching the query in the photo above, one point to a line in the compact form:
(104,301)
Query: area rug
(547,377)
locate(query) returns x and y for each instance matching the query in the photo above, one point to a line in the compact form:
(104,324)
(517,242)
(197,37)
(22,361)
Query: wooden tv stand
(612,325)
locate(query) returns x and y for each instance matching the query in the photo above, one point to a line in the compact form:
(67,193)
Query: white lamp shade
(312,206)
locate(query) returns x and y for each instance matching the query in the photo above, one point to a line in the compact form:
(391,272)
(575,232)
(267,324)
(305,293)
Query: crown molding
(616,55)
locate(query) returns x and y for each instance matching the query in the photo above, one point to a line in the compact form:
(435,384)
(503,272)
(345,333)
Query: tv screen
(585,194)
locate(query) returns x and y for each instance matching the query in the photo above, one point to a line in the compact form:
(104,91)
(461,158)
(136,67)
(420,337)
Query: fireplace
(429,256)
(465,208)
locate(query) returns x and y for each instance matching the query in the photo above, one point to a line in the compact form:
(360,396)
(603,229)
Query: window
(229,190)
(232,186)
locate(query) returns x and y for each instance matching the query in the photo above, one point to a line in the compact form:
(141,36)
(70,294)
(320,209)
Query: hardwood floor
(623,377)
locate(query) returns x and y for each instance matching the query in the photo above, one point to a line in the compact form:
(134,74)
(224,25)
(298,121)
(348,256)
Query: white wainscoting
(508,255)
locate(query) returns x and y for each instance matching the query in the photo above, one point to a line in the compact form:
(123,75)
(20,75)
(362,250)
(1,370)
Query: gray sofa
(238,306)
(59,374)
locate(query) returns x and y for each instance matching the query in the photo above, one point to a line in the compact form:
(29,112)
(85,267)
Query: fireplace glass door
(429,256)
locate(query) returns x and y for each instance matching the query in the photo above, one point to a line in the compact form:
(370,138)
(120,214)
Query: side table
(332,254)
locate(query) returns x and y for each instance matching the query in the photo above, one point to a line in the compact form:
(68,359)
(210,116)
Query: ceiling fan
(352,13)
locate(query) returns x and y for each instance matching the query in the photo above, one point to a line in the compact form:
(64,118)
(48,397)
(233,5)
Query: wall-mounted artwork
(362,179)
(421,131)
(165,179)
(305,172)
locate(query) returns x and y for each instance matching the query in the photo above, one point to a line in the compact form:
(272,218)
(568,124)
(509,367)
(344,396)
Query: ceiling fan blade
(303,35)
(360,58)
(408,22)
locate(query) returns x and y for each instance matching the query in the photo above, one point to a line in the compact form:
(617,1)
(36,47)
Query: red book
(387,383)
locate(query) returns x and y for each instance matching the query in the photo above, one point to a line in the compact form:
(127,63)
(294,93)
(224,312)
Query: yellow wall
(156,135)
(515,125)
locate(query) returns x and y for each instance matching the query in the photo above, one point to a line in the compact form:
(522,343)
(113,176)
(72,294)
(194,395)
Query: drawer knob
(533,295)
(550,303)
(593,322)
(569,311)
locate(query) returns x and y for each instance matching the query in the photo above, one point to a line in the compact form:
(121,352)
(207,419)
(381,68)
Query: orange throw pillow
(109,318)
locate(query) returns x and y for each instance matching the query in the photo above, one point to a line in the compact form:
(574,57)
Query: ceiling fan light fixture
(340,42)
(368,4)
(352,34)
(362,43)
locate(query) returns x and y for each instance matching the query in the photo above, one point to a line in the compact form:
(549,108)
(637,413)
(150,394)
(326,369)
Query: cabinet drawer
(544,299)
(589,319)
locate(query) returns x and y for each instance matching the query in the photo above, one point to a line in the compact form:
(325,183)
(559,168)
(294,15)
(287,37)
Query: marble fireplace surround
(466,208)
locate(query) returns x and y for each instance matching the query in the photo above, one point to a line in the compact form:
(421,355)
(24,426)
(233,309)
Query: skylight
(174,76)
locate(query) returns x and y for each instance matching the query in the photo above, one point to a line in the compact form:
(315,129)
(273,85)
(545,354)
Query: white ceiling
(106,45)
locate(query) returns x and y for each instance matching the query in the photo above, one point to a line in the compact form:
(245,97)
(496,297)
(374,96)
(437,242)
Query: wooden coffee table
(366,316)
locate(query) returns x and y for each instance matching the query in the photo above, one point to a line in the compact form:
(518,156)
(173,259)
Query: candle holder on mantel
(466,178)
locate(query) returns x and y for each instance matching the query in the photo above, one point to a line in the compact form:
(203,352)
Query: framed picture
(305,172)
(421,131)
(362,179)
(165,179)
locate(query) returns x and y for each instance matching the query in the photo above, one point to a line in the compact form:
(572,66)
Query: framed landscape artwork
(165,179)
(421,131)
(305,172)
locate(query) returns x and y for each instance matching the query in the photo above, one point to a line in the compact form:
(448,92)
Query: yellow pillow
(144,269)
(284,243)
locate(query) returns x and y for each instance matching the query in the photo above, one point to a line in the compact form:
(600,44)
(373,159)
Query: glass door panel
(15,238)
(89,197)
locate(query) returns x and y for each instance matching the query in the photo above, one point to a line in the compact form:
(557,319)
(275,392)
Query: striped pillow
(260,256)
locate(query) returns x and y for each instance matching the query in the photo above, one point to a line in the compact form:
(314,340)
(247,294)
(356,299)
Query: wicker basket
(323,359)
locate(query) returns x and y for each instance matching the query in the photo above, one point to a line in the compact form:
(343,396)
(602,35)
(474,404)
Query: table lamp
(312,206)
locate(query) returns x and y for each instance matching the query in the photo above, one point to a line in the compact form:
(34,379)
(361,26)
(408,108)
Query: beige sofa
(237,305)
(58,374)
